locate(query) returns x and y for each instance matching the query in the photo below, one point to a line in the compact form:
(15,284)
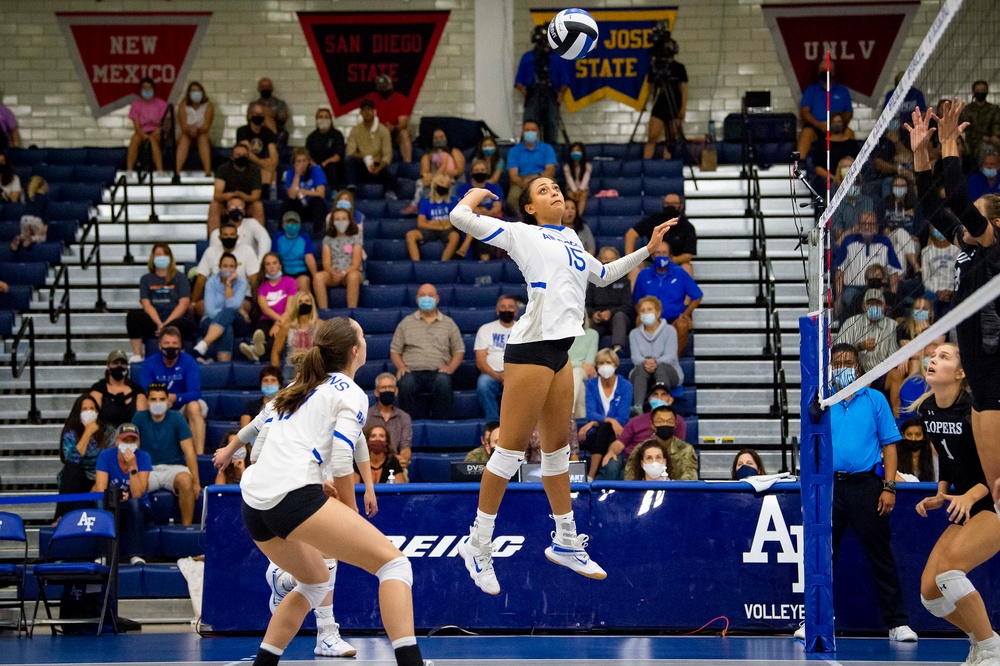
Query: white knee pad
(939,607)
(396,569)
(954,585)
(556,463)
(331,564)
(315,593)
(505,462)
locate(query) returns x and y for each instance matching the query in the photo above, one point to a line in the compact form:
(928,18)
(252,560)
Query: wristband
(889,487)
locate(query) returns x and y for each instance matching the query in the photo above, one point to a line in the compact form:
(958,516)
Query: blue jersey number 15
(576,259)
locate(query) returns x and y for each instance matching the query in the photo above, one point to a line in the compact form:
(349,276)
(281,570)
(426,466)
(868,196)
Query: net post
(816,465)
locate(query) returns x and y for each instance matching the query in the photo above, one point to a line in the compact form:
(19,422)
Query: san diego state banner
(113,52)
(352,49)
(863,39)
(617,67)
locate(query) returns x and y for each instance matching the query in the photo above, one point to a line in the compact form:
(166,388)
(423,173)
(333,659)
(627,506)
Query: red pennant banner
(352,49)
(863,39)
(112,52)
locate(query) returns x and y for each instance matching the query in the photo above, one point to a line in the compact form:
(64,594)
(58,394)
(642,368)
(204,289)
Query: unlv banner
(617,67)
(112,52)
(863,40)
(352,49)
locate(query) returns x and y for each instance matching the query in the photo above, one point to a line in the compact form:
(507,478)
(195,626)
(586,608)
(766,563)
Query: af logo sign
(771,526)
(87,522)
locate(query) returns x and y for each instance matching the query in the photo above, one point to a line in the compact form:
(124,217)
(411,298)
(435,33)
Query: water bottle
(711,130)
(392,477)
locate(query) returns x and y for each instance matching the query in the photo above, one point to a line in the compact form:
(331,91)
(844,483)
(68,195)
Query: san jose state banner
(352,49)
(113,52)
(863,39)
(617,67)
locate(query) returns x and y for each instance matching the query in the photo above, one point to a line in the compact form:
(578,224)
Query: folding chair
(12,529)
(80,524)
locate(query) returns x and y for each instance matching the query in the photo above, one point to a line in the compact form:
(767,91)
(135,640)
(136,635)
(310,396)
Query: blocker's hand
(921,130)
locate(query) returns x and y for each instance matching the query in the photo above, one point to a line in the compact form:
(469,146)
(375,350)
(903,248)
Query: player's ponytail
(331,352)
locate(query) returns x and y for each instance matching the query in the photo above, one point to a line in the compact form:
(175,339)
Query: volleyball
(573,33)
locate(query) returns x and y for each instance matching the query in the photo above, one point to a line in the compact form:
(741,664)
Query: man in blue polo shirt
(812,109)
(528,159)
(676,289)
(180,373)
(864,434)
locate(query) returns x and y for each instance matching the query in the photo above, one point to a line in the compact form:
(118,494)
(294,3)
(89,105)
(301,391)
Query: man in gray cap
(872,333)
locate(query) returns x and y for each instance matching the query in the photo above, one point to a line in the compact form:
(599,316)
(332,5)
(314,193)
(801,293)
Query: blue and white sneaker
(479,563)
(571,553)
(281,583)
(330,644)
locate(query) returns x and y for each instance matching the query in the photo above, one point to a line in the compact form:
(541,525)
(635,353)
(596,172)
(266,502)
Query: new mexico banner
(863,40)
(616,68)
(352,49)
(112,52)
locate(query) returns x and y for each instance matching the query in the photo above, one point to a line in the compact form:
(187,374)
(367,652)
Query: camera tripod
(662,88)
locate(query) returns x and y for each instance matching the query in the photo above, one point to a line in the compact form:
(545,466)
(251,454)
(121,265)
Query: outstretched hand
(920,131)
(658,233)
(949,128)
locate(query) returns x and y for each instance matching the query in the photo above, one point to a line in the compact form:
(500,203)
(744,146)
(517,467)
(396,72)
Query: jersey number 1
(576,259)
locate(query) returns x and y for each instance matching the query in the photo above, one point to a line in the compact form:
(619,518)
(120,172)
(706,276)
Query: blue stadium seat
(408,169)
(390,272)
(215,432)
(62,231)
(163,505)
(631,168)
(27,157)
(11,212)
(469,342)
(337,297)
(470,272)
(389,250)
(469,320)
(17,298)
(55,173)
(446,294)
(177,541)
(371,208)
(163,581)
(245,375)
(89,192)
(467,375)
(370,191)
(112,157)
(435,272)
(371,227)
(475,296)
(615,151)
(661,186)
(518,290)
(687,365)
(603,167)
(96,174)
(394,208)
(199,249)
(619,206)
(730,153)
(366,374)
(433,467)
(32,274)
(431,251)
(378,346)
(232,404)
(466,405)
(69,210)
(66,156)
(615,225)
(206,468)
(692,429)
(6,323)
(50,253)
(384,296)
(454,435)
(395,229)
(272,209)
(377,320)
(211,399)
(511,273)
(687,405)
(24,175)
(663,168)
(216,375)
(652,204)
(406,188)
(617,242)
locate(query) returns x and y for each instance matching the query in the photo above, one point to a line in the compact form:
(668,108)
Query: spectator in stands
(146,114)
(487,150)
(341,259)
(167,439)
(852,212)
(442,157)
(527,159)
(490,438)
(262,144)
(985,181)
(666,119)
(676,290)
(842,144)
(345,200)
(900,211)
(195,117)
(276,114)
(433,221)
(907,382)
(238,178)
(937,264)
(247,265)
(609,309)
(581,357)
(640,427)
(983,119)
(653,346)
(165,296)
(33,227)
(234,472)
(271,381)
(609,398)
(650,462)
(8,126)
(920,319)
(224,318)
(389,106)
(386,467)
(118,397)
(305,187)
(369,152)
(914,99)
(426,349)
(575,221)
(533,454)
(872,333)
(10,182)
(812,109)
(915,460)
(541,97)
(295,248)
(479,176)
(906,247)
(491,340)
(682,237)
(326,148)
(83,437)
(746,463)
(857,252)
(577,174)
(272,299)
(892,154)
(179,372)
(300,322)
(384,413)
(126,468)
(683,463)
(250,231)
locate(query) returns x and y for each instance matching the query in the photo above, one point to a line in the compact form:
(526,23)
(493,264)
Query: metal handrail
(93,258)
(64,309)
(120,211)
(17,369)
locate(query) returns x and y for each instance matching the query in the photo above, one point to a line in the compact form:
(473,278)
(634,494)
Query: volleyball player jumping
(319,419)
(538,378)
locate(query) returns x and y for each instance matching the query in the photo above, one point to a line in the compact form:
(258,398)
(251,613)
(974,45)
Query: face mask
(914,444)
(655,403)
(236,215)
(874,312)
(226,273)
(654,470)
(170,353)
(671,211)
(530,136)
(899,192)
(664,432)
(157,408)
(743,471)
(843,377)
(854,191)
(479,176)
(606,371)
(836,128)
(161,261)
(661,262)
(505,316)
(292,229)
(146,94)
(440,143)
(648,318)
(979,96)
(125,448)
(305,309)
(387,398)
(893,125)
(938,235)
(926,362)
(341,225)
(240,454)
(344,204)
(989,173)
(241,162)
(576,156)
(273,276)
(88,416)
(442,190)
(377,447)
(257,120)
(118,372)
(323,124)
(196,96)
(228,243)
(489,150)
(270,390)
(843,173)
(427,303)
(266,93)
(921,315)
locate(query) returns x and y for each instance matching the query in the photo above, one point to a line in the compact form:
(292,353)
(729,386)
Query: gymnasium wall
(724,44)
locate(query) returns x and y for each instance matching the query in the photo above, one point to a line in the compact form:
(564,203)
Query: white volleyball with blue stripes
(573,33)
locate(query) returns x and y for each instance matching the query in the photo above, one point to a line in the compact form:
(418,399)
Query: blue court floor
(150,649)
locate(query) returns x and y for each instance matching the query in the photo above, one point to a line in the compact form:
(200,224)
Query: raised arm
(486,229)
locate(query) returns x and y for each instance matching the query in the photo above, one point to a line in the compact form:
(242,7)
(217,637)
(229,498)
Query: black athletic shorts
(549,353)
(985,391)
(435,235)
(282,519)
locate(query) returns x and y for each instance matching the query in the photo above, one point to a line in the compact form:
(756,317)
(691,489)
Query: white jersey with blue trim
(301,443)
(555,267)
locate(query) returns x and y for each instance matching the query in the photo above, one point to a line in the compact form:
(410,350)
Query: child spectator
(146,115)
(654,351)
(84,436)
(433,221)
(295,248)
(33,226)
(577,172)
(305,186)
(441,159)
(341,259)
(272,299)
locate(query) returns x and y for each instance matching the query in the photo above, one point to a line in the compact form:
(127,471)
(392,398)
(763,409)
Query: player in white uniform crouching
(538,378)
(284,506)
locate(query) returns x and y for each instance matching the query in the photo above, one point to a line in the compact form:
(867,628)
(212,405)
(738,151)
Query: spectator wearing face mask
(900,211)
(178,372)
(872,333)
(195,115)
(913,452)
(526,159)
(653,345)
(434,221)
(241,458)
(341,259)
(892,154)
(247,265)
(479,177)
(249,231)
(305,187)
(326,148)
(238,178)
(683,461)
(84,436)
(682,237)
(369,152)
(640,427)
(146,114)
(907,382)
(118,397)
(275,110)
(165,297)
(272,299)
(386,414)
(937,264)
(271,381)
(487,151)
(983,119)
(747,463)
(126,468)
(813,107)
(609,309)
(609,398)
(914,99)
(676,290)
(985,181)
(491,340)
(297,331)
(386,467)
(853,210)
(295,248)
(842,144)
(489,440)
(262,144)
(857,252)
(651,462)
(577,174)
(224,319)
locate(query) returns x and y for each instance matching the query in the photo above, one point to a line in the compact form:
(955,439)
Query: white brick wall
(725,46)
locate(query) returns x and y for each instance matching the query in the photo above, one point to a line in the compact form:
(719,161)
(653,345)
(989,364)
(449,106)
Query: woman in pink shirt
(272,299)
(146,115)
